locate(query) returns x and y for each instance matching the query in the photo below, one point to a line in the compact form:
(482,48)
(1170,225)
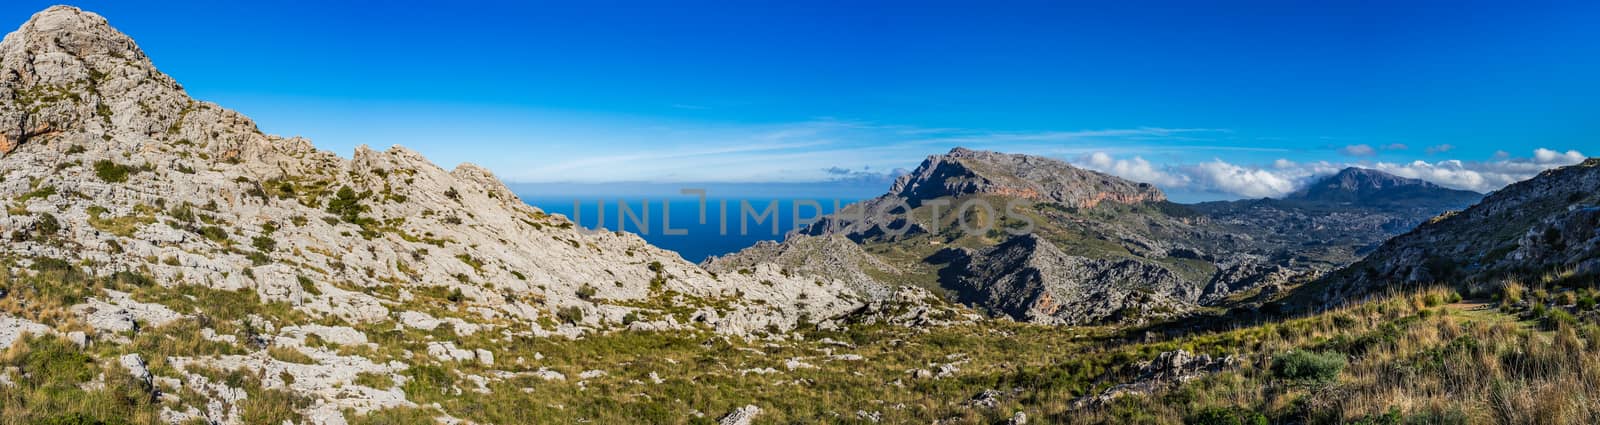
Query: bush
(586,292)
(48,225)
(570,314)
(1228,416)
(111,172)
(264,243)
(1555,318)
(214,233)
(456,296)
(347,205)
(1308,367)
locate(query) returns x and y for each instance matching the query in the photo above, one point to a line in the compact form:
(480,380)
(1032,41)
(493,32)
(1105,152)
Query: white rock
(741,416)
(136,367)
(447,351)
(12,328)
(79,339)
(793,364)
(419,320)
(549,375)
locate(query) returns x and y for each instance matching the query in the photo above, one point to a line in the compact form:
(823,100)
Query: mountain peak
(1365,185)
(72,31)
(965,171)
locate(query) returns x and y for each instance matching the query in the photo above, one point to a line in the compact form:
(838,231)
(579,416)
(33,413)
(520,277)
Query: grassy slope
(1412,355)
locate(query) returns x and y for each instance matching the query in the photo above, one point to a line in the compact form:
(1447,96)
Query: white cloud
(1358,150)
(1136,169)
(1396,147)
(1219,176)
(1442,148)
(1546,156)
(1215,176)
(1483,176)
(1284,176)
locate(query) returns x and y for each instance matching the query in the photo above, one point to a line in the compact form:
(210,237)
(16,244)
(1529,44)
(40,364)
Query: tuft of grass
(290,355)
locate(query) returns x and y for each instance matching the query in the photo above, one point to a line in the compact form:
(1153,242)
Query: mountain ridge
(1102,248)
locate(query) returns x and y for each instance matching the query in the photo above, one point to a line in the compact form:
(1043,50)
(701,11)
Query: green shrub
(214,233)
(586,292)
(111,172)
(570,314)
(264,243)
(1308,367)
(1555,318)
(346,204)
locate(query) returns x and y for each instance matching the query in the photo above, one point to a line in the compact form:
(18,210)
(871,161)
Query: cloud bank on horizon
(1283,176)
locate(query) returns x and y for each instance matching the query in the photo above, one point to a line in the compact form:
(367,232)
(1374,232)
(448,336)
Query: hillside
(132,211)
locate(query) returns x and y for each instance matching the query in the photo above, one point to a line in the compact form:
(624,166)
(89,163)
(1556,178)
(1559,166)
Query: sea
(676,223)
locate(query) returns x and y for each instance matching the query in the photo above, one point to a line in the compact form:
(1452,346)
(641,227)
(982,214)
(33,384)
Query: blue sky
(1222,99)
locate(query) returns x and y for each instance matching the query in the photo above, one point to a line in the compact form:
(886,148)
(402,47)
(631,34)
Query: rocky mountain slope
(1067,245)
(1548,225)
(130,208)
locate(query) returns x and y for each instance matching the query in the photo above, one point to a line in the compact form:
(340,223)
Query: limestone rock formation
(111,175)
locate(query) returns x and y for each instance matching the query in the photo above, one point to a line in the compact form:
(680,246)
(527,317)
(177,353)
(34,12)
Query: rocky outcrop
(13,328)
(741,416)
(1030,279)
(1168,370)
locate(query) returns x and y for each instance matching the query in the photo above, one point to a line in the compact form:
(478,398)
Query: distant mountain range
(1102,248)
(1545,228)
